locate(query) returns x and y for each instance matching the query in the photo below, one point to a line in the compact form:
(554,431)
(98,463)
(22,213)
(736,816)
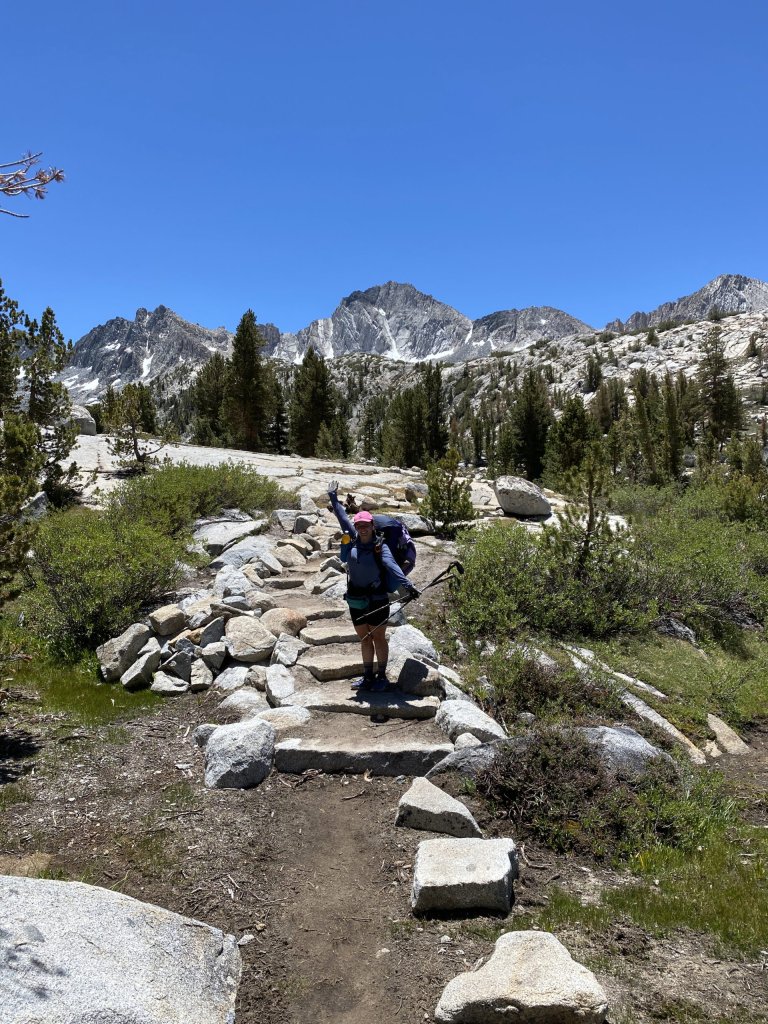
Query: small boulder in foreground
(530,977)
(78,954)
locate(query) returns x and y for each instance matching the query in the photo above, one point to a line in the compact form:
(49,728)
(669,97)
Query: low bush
(639,501)
(561,581)
(707,572)
(93,574)
(555,788)
(521,682)
(171,498)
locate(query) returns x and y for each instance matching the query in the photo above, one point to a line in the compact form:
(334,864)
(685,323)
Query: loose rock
(458,716)
(249,641)
(464,874)
(530,977)
(425,806)
(239,756)
(520,497)
(76,953)
(117,655)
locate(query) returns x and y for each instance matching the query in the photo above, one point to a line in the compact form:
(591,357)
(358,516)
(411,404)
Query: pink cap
(363,517)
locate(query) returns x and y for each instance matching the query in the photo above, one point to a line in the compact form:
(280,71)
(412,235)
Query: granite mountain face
(400,322)
(393,321)
(136,351)
(728,293)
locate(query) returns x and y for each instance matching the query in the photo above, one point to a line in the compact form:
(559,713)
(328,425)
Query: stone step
(351,743)
(333,661)
(286,582)
(314,609)
(319,636)
(337,697)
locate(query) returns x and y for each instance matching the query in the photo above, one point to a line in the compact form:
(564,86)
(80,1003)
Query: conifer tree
(48,402)
(568,439)
(11,321)
(370,434)
(312,403)
(434,415)
(673,431)
(209,394)
(248,406)
(278,432)
(531,419)
(720,404)
(126,421)
(448,500)
(34,433)
(404,429)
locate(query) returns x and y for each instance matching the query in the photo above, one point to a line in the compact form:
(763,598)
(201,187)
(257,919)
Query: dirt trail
(337,929)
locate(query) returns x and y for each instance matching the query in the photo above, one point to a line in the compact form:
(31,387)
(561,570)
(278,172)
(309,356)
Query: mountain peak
(729,293)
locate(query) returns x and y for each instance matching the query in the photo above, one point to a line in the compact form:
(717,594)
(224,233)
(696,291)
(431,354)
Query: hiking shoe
(366,683)
(380,684)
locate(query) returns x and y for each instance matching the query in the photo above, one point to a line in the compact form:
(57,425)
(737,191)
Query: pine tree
(125,422)
(313,403)
(370,434)
(673,431)
(593,373)
(48,403)
(448,502)
(532,418)
(11,320)
(278,431)
(35,436)
(403,435)
(568,439)
(209,394)
(248,405)
(434,414)
(719,402)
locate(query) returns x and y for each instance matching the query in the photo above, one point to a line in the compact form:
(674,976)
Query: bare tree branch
(19,178)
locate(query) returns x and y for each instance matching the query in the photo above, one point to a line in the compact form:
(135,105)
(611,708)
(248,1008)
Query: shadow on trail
(16,747)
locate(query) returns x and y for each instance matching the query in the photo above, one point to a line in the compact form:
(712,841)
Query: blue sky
(597,157)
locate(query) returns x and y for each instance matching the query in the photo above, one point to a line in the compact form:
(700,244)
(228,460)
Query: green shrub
(172,497)
(552,582)
(553,785)
(640,501)
(500,585)
(737,498)
(707,572)
(521,682)
(94,574)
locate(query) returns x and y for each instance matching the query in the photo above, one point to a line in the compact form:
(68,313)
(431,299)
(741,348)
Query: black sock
(382,668)
(368,669)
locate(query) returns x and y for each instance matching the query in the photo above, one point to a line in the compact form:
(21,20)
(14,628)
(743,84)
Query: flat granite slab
(318,636)
(313,608)
(350,743)
(334,661)
(336,697)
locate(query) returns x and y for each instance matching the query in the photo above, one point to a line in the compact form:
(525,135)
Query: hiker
(372,573)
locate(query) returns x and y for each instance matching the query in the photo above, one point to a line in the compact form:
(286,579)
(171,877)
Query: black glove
(333,487)
(413,593)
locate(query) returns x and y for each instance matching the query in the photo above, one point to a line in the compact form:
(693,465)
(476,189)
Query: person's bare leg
(381,645)
(366,647)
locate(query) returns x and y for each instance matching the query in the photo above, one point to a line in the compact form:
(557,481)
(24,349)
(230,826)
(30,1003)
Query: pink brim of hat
(363,517)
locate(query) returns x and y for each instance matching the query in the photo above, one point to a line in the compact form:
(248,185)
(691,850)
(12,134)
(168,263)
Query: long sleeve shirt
(360,559)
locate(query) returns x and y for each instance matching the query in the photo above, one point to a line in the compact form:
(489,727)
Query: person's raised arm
(338,510)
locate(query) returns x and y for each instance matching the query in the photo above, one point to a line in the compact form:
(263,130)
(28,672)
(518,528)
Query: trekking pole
(442,577)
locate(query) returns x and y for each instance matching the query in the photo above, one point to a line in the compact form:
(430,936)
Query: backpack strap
(380,562)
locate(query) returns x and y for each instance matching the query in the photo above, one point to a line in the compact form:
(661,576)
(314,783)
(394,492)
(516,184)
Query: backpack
(392,533)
